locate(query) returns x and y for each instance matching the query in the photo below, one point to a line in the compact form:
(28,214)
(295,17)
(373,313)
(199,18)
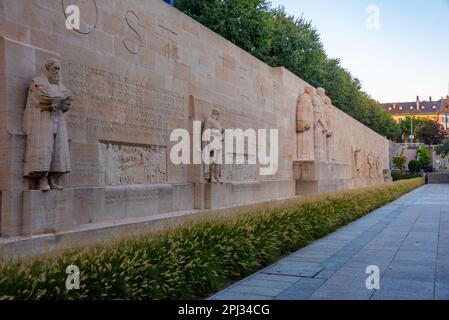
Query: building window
(400,108)
(434,107)
(389,108)
(411,108)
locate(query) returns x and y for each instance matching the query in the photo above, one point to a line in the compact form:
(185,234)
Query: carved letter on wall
(128,43)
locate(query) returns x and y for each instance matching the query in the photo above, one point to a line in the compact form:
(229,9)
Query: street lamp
(412,137)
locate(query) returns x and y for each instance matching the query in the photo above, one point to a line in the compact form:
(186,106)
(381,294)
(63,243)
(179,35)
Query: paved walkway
(408,240)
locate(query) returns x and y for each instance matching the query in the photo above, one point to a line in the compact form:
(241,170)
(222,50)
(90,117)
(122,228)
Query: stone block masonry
(139,69)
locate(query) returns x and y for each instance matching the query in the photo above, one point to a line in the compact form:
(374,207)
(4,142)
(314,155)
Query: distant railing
(412,145)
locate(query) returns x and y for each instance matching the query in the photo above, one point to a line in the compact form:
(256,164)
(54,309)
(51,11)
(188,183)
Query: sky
(404,55)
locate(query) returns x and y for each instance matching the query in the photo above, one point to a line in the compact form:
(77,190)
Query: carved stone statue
(330,128)
(320,128)
(378,167)
(371,166)
(358,162)
(212,172)
(47,155)
(304,126)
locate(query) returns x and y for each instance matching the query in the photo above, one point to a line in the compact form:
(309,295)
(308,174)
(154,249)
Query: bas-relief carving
(47,155)
(124,164)
(367,167)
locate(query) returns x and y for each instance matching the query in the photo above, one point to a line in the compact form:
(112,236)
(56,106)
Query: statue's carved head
(327,101)
(51,70)
(321,92)
(308,90)
(216,114)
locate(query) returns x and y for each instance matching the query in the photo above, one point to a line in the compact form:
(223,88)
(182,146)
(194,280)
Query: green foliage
(424,156)
(197,259)
(414,166)
(279,39)
(418,123)
(399,162)
(397,175)
(431,133)
(443,148)
(246,23)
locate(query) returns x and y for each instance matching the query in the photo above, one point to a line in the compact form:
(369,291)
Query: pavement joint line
(436,260)
(395,235)
(396,253)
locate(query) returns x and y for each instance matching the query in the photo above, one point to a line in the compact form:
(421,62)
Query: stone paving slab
(408,240)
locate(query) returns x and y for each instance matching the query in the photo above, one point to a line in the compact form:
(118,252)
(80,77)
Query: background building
(435,110)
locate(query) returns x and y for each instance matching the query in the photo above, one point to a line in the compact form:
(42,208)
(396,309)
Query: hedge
(397,175)
(197,258)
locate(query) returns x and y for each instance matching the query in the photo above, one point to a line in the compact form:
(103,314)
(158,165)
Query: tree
(443,149)
(431,133)
(246,23)
(406,126)
(414,166)
(399,162)
(424,157)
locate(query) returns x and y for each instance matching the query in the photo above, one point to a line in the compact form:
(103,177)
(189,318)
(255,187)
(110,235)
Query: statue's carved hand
(66,105)
(68,94)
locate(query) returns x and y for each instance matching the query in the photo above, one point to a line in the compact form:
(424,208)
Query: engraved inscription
(240,172)
(133,196)
(114,107)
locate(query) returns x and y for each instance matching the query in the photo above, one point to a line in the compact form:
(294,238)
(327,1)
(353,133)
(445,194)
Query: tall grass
(197,258)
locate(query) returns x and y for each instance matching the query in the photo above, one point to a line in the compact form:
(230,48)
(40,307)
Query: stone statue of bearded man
(47,150)
(213,171)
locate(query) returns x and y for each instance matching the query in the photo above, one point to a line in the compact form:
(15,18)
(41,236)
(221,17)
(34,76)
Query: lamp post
(411,130)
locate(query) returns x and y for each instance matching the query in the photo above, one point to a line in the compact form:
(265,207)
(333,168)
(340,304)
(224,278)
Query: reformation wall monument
(86,117)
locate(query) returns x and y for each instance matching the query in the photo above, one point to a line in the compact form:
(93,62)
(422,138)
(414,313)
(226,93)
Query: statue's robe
(330,132)
(304,118)
(216,155)
(47,148)
(319,128)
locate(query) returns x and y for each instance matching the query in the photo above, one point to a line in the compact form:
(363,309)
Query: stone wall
(139,69)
